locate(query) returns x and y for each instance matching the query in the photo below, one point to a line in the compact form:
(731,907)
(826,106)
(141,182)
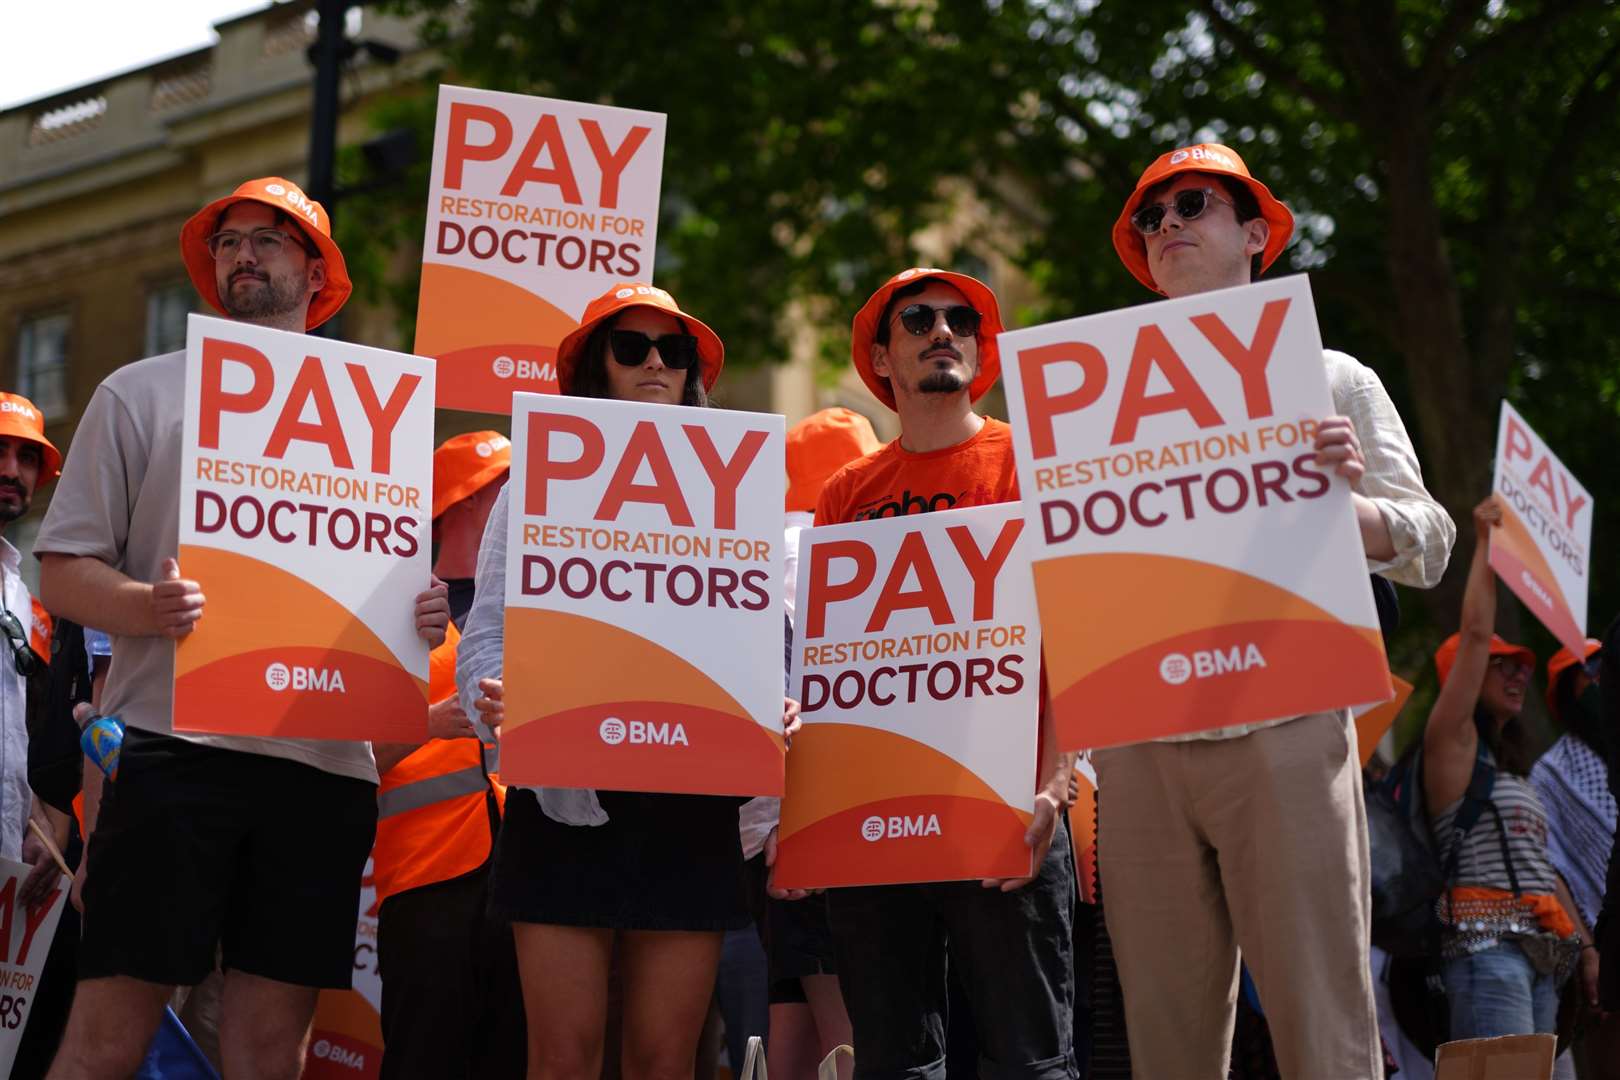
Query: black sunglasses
(630,348)
(1189,206)
(918,319)
(22,654)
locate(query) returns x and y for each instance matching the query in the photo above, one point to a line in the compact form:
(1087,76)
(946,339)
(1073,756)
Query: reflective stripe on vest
(420,793)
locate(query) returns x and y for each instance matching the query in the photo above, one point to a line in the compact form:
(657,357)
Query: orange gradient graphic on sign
(581,740)
(273,688)
(511,347)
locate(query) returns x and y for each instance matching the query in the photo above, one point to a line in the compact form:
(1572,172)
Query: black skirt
(662,862)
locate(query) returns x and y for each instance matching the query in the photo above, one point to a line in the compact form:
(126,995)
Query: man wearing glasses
(251,848)
(1254,838)
(925,344)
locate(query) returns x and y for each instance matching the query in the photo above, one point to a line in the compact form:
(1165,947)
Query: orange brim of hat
(1132,247)
(863,331)
(711,351)
(200,264)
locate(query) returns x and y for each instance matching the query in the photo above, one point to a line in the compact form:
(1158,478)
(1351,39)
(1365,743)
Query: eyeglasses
(1508,666)
(267,243)
(630,348)
(22,654)
(1189,205)
(919,319)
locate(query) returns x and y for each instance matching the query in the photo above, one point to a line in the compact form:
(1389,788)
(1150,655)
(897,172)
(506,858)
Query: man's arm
(88,591)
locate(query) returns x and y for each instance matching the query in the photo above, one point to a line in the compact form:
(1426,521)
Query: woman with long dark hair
(598,882)
(1509,942)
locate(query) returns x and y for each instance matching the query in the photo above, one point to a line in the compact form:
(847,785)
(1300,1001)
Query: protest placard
(305,510)
(534,207)
(1195,568)
(1543,550)
(24,943)
(1083,828)
(917,664)
(1373,720)
(345,1039)
(644,625)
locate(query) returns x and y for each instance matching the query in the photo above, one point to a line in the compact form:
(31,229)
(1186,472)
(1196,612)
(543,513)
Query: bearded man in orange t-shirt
(925,343)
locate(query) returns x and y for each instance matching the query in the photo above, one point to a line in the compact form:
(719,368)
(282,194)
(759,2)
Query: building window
(42,363)
(166,310)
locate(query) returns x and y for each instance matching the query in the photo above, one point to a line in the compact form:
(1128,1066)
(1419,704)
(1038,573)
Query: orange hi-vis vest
(432,808)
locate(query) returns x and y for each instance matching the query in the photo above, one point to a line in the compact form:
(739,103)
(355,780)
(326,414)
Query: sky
(58,44)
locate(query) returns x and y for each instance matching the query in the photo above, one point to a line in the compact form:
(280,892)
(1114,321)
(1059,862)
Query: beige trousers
(1258,844)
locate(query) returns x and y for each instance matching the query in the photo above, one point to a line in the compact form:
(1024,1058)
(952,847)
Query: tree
(1451,163)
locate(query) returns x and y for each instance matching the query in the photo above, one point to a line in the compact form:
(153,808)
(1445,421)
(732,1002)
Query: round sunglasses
(919,319)
(630,348)
(1189,205)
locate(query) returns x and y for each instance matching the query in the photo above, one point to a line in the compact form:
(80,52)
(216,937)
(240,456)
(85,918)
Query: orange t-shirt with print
(893,481)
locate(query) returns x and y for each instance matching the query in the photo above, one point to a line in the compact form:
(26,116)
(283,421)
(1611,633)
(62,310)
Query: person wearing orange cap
(1574,783)
(598,881)
(925,345)
(245,849)
(1510,931)
(1194,865)
(27,460)
(450,997)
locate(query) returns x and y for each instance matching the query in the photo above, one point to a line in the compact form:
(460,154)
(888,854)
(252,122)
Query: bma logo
(295,199)
(614,731)
(1199,153)
(505,367)
(642,290)
(350,1059)
(899,827)
(279,677)
(488,447)
(1176,669)
(21,410)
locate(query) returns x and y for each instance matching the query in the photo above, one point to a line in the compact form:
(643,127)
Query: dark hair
(590,374)
(881,335)
(1593,730)
(1510,744)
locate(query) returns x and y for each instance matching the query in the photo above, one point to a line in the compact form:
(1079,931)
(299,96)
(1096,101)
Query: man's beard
(10,511)
(277,296)
(941,382)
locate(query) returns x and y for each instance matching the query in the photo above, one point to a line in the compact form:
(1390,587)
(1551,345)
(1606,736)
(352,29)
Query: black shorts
(662,862)
(198,848)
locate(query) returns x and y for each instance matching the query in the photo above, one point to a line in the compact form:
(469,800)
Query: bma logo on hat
(503,367)
(20,409)
(641,290)
(488,447)
(275,189)
(1200,153)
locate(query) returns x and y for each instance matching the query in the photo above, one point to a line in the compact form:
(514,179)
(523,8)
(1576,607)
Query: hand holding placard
(177,603)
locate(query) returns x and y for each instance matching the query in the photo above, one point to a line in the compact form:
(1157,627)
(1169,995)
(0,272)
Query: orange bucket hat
(278,194)
(1562,661)
(863,332)
(820,445)
(1446,654)
(21,419)
(1203,158)
(465,463)
(629,294)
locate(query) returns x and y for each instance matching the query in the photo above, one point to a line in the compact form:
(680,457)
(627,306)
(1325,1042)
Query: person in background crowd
(1607,932)
(1254,837)
(1509,940)
(1572,781)
(584,875)
(925,344)
(259,842)
(807,1015)
(451,1003)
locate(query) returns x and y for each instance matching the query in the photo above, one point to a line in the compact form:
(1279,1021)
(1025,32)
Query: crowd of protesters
(565,933)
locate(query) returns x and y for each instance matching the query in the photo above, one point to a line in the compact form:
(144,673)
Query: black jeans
(451,1003)
(1014,956)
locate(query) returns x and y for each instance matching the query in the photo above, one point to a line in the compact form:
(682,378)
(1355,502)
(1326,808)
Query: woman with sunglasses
(1508,942)
(641,886)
